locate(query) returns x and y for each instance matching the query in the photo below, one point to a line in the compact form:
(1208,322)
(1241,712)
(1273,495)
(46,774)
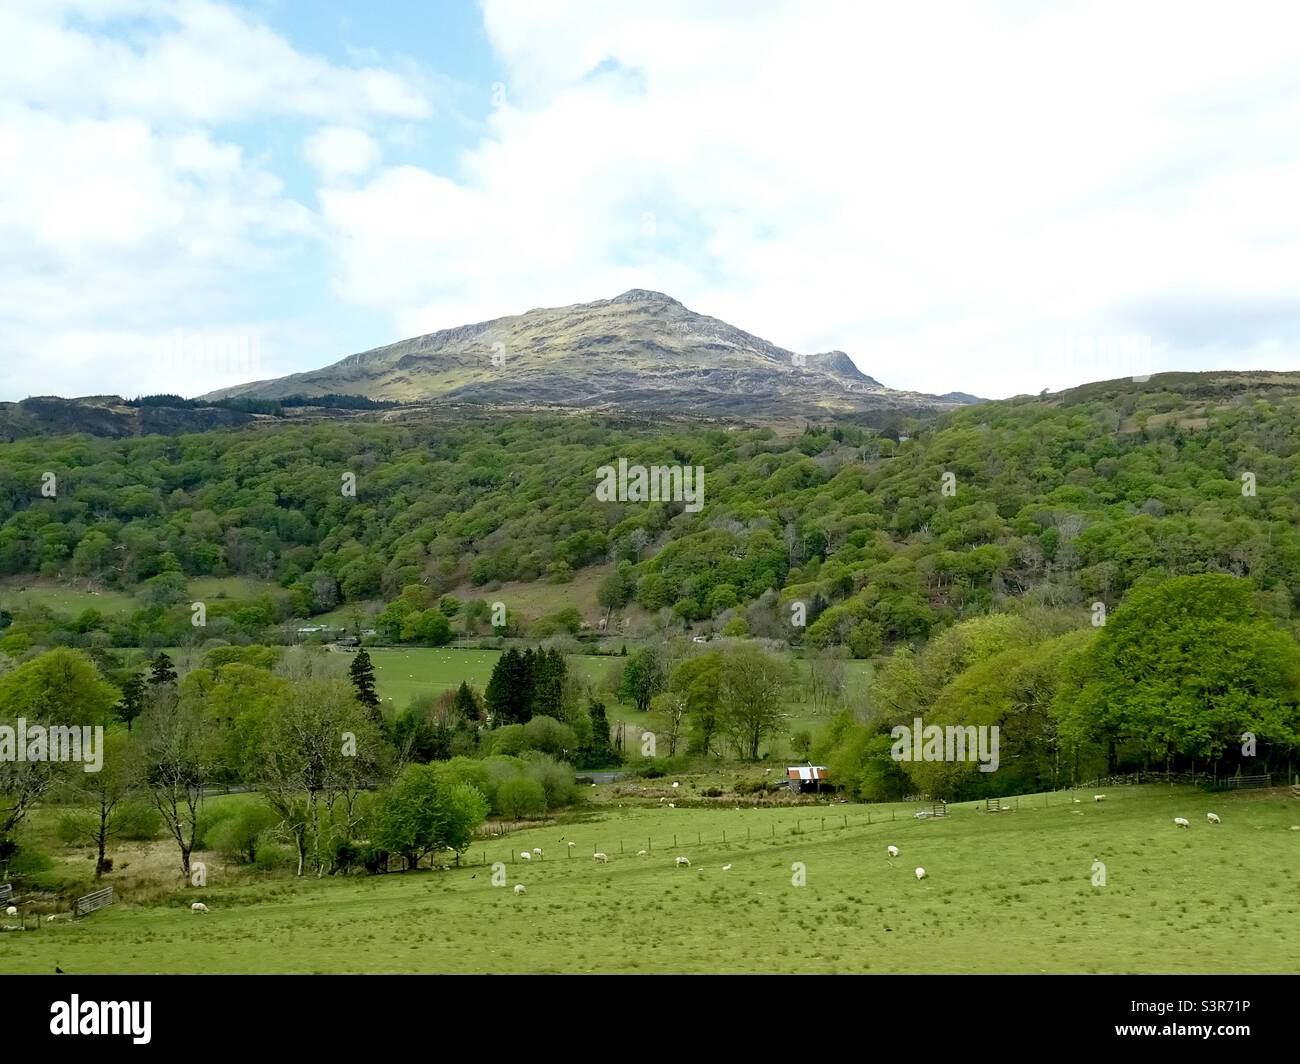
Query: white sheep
(920,873)
(726,868)
(641,853)
(519,888)
(50,919)
(683,862)
(198,907)
(671,806)
(676,784)
(11,911)
(524,855)
(1181,821)
(1213,818)
(892,851)
(1098,797)
(603,858)
(537,851)
(572,845)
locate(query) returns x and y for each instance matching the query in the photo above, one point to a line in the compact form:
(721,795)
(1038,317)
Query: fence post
(647,846)
(868,816)
(724,836)
(823,823)
(697,839)
(620,845)
(674,842)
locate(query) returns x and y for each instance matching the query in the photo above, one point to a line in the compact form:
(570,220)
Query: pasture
(62,599)
(1007,892)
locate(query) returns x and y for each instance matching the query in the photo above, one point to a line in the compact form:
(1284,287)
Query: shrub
(138,821)
(520,797)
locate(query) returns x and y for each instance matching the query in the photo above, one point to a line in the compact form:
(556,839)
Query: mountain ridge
(641,350)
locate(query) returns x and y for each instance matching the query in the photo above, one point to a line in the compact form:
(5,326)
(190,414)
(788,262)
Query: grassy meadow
(1008,892)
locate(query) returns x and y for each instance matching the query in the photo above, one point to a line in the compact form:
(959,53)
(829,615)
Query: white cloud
(990,198)
(127,215)
(337,152)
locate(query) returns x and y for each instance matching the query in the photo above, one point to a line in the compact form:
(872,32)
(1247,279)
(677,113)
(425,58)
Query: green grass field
(1009,892)
(63,600)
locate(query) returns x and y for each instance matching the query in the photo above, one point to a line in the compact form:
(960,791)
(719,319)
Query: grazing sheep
(683,862)
(537,851)
(676,784)
(1098,797)
(726,868)
(671,806)
(572,845)
(892,851)
(198,907)
(920,873)
(50,919)
(524,855)
(641,853)
(1182,822)
(1213,818)
(11,911)
(519,888)
(603,858)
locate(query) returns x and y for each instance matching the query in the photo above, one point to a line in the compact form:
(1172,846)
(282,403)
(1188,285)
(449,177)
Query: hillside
(641,351)
(1060,500)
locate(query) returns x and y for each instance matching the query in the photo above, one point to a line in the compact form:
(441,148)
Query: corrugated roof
(806,772)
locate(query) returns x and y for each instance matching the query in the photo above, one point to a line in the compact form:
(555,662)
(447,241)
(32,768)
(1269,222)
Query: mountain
(641,351)
(108,415)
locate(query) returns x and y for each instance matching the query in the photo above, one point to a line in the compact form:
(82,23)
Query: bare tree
(178,755)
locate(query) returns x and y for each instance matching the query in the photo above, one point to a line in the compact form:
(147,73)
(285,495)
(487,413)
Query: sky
(994,198)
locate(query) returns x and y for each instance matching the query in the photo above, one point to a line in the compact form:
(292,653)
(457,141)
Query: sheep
(572,845)
(920,873)
(519,888)
(892,851)
(683,862)
(11,911)
(50,919)
(676,784)
(1098,797)
(537,851)
(1213,818)
(641,853)
(1181,821)
(671,806)
(524,855)
(198,907)
(603,858)
(726,868)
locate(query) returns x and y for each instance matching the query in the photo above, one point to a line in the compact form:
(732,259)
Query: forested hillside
(1061,500)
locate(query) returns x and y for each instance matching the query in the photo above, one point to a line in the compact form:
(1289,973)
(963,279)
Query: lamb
(641,853)
(920,873)
(519,888)
(198,907)
(726,868)
(892,851)
(50,919)
(572,845)
(676,784)
(683,862)
(11,911)
(537,851)
(524,855)
(1181,821)
(603,858)
(1098,797)
(671,806)
(1213,818)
